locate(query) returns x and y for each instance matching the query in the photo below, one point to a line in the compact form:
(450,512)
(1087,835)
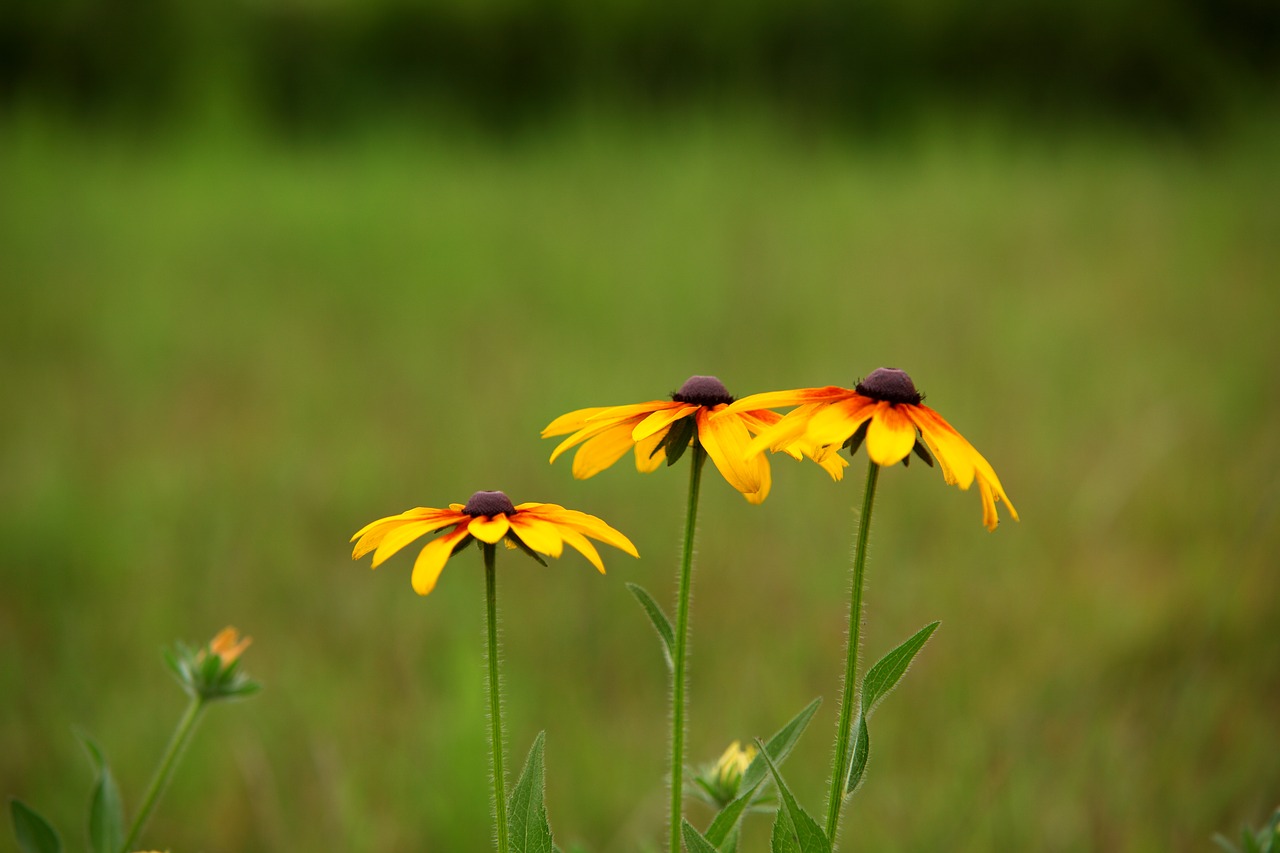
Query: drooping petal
(956,457)
(834,423)
(890,435)
(578,541)
(590,525)
(766,480)
(538,533)
(431,560)
(725,440)
(989,517)
(401,536)
(602,451)
(489,529)
(646,459)
(784,432)
(660,420)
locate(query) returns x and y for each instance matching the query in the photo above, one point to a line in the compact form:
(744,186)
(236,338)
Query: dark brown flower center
(489,503)
(702,391)
(891,385)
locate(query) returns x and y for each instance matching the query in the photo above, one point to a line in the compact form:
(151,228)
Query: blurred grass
(223,355)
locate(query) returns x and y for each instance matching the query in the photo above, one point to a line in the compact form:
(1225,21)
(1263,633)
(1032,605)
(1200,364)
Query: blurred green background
(275,269)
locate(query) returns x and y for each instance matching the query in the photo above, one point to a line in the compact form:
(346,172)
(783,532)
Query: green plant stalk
(177,744)
(840,762)
(495,700)
(681,647)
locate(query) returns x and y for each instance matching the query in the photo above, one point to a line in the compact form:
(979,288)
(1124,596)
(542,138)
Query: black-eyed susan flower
(886,411)
(488,517)
(662,430)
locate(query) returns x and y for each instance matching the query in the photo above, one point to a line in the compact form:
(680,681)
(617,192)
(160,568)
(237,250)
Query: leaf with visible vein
(526,809)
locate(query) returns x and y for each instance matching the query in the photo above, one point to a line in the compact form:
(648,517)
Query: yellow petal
(400,537)
(540,535)
(589,431)
(660,420)
(578,541)
(590,525)
(835,422)
(379,529)
(602,451)
(725,440)
(794,397)
(646,459)
(431,560)
(571,422)
(890,435)
(956,457)
(766,481)
(489,529)
(785,431)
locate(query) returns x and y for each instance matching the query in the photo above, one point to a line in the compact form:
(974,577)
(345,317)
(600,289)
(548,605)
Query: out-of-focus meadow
(238,326)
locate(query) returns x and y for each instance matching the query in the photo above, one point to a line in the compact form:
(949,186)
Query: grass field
(223,356)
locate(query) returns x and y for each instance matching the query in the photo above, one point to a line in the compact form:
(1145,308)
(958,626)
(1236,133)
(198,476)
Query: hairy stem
(841,760)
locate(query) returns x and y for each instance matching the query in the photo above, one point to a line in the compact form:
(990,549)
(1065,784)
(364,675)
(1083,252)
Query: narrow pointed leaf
(106,809)
(526,809)
(32,832)
(781,744)
(794,831)
(858,762)
(677,440)
(884,676)
(661,623)
(693,840)
(726,820)
(778,747)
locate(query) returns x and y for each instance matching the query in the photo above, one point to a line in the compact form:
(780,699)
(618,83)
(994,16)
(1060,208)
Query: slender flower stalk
(177,744)
(495,697)
(840,761)
(487,518)
(208,674)
(680,653)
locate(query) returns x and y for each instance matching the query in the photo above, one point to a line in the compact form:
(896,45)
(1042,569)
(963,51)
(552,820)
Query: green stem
(177,743)
(495,701)
(840,762)
(682,644)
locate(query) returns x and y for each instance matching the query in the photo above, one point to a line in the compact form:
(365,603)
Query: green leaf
(693,840)
(794,831)
(106,810)
(659,619)
(781,744)
(858,762)
(778,747)
(526,810)
(678,439)
(884,676)
(33,833)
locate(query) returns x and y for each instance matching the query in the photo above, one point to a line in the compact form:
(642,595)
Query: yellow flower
(886,410)
(488,517)
(227,646)
(733,763)
(660,430)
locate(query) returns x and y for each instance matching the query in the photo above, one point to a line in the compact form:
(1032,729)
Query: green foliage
(661,623)
(694,842)
(794,831)
(206,675)
(526,808)
(32,832)
(106,810)
(1264,840)
(883,676)
(725,825)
